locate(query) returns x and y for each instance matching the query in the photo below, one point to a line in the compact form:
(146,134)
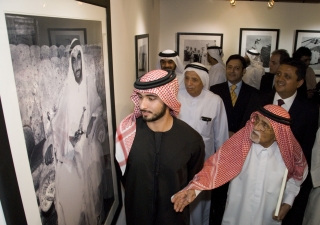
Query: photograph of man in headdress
(262,44)
(62,101)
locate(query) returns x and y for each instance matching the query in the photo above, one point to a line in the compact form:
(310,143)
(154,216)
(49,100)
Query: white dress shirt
(287,101)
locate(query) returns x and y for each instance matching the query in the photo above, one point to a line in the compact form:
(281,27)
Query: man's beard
(155,116)
(255,139)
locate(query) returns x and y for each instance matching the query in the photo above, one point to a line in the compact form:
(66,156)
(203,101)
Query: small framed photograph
(192,47)
(311,40)
(142,54)
(63,36)
(264,41)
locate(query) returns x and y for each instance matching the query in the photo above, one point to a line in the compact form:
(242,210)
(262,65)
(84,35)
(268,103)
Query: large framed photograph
(58,108)
(192,47)
(63,36)
(311,40)
(142,54)
(264,41)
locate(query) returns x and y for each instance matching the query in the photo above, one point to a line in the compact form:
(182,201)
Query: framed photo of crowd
(311,40)
(192,47)
(58,105)
(142,54)
(264,41)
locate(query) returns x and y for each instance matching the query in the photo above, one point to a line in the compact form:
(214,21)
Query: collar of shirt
(257,148)
(287,102)
(237,90)
(191,98)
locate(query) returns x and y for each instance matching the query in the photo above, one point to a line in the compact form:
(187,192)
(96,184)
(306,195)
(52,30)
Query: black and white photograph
(192,47)
(311,40)
(265,41)
(142,54)
(64,108)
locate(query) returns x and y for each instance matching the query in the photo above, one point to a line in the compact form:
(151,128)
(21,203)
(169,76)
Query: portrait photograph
(142,54)
(192,47)
(64,106)
(311,40)
(265,41)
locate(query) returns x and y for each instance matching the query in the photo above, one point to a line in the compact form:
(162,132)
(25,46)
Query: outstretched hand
(182,199)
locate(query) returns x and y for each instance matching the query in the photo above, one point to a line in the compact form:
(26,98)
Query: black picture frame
(28,206)
(63,36)
(264,40)
(311,40)
(142,54)
(197,41)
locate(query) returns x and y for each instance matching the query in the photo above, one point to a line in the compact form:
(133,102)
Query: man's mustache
(256,132)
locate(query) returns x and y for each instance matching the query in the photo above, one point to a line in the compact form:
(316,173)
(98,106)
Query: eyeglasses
(263,126)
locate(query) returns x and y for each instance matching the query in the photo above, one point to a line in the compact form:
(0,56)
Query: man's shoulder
(248,88)
(188,131)
(218,87)
(304,105)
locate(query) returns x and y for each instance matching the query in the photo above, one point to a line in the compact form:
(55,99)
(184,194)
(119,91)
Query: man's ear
(244,72)
(300,82)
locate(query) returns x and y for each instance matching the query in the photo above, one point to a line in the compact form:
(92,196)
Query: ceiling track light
(270,3)
(233,2)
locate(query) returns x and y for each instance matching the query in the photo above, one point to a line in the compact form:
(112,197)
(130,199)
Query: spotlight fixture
(270,3)
(233,2)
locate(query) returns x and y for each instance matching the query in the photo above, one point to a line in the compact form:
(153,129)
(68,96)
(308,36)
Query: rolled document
(283,185)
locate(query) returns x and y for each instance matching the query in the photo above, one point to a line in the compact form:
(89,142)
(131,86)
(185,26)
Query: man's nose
(143,103)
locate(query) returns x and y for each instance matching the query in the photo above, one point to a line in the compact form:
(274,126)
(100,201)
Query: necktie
(280,102)
(233,94)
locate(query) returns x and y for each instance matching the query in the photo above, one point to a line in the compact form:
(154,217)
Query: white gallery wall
(130,18)
(213,16)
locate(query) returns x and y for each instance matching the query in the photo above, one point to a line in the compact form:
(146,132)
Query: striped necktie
(233,94)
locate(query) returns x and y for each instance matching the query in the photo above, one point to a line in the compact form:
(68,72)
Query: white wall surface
(210,16)
(130,18)
(2,219)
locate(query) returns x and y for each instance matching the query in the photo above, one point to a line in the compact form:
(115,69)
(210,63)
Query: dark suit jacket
(236,112)
(196,57)
(304,115)
(267,85)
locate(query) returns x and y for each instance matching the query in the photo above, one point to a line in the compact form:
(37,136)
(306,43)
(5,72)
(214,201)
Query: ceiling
(296,1)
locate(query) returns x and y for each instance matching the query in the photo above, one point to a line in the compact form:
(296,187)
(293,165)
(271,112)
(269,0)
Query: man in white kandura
(217,72)
(170,60)
(255,160)
(205,112)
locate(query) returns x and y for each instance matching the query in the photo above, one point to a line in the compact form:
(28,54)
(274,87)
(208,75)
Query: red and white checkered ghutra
(127,128)
(227,162)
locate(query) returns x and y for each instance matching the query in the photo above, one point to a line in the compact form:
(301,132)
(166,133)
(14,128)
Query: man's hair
(302,51)
(239,57)
(299,65)
(283,54)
